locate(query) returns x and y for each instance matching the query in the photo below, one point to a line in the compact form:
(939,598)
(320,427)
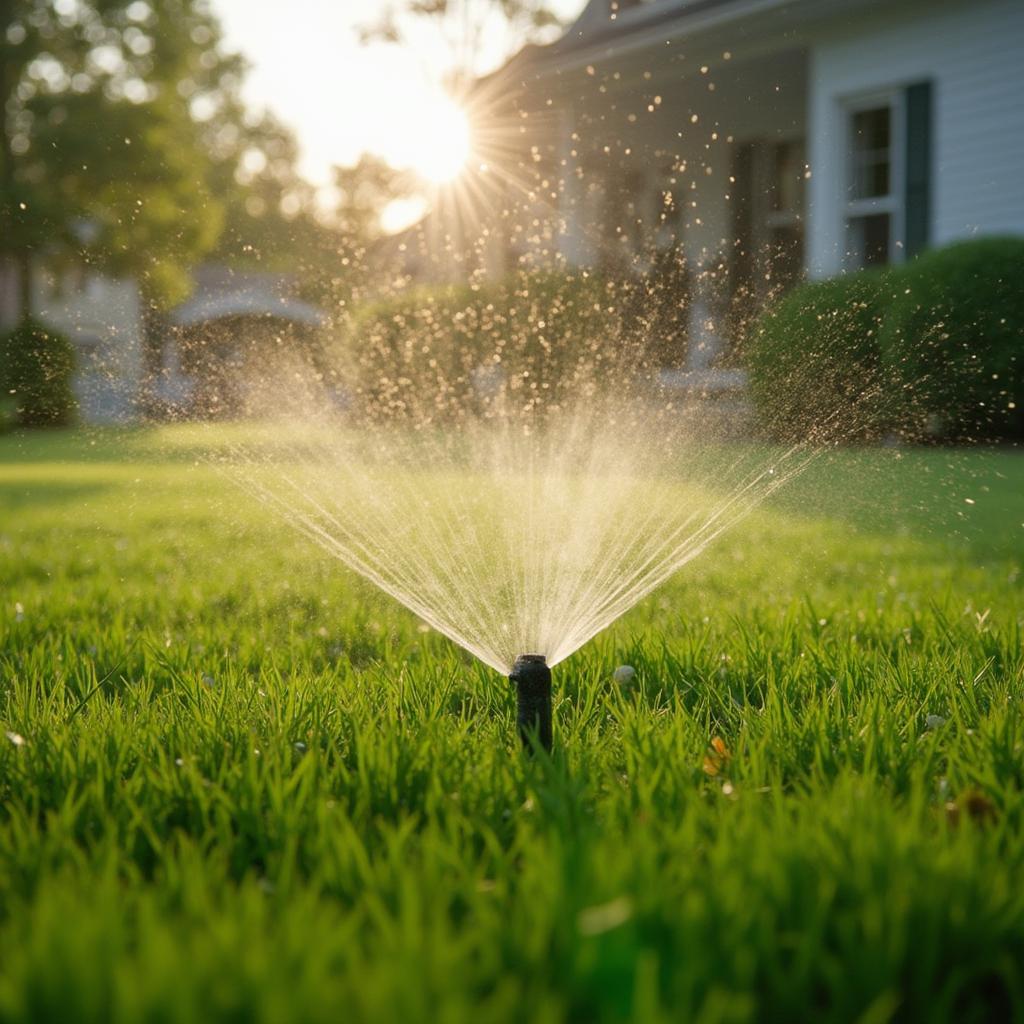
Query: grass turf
(237,784)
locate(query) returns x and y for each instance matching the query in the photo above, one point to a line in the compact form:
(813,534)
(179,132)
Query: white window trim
(893,203)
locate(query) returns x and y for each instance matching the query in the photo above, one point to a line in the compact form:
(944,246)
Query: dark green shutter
(918,184)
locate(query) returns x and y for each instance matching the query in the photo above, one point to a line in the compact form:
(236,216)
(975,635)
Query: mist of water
(516,531)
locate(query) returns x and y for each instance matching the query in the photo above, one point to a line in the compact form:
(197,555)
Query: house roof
(596,24)
(596,34)
(221,293)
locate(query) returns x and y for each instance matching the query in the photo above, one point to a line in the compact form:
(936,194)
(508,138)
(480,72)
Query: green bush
(36,366)
(954,339)
(814,362)
(434,354)
(933,350)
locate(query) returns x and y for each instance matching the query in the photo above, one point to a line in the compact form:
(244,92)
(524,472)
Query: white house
(772,138)
(102,317)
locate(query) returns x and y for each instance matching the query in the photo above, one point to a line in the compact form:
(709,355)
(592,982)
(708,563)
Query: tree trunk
(24,264)
(8,288)
(15,257)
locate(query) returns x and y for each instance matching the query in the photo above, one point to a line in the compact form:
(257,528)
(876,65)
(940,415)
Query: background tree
(125,144)
(275,220)
(477,35)
(101,153)
(362,194)
(115,115)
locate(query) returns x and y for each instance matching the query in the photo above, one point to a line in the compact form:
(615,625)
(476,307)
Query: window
(873,205)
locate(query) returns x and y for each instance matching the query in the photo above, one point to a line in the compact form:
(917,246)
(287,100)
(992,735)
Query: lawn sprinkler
(532,678)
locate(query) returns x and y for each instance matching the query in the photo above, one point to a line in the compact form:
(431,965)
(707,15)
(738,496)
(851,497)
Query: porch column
(706,343)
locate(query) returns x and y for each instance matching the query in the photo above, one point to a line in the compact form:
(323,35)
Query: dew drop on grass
(604,917)
(509,522)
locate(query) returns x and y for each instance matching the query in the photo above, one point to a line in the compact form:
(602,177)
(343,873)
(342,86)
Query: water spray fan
(610,498)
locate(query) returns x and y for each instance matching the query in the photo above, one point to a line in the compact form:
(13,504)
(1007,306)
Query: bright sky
(341,98)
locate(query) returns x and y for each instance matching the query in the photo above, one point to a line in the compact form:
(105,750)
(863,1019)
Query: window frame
(894,202)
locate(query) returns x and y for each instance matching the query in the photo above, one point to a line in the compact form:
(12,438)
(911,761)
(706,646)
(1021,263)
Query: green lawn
(237,784)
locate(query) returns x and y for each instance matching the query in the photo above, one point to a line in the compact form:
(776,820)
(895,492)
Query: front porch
(691,175)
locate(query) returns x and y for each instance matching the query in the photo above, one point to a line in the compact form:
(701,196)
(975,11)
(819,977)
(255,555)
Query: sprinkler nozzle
(532,677)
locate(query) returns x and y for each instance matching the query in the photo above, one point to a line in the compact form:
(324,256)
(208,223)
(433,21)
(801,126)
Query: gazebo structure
(236,341)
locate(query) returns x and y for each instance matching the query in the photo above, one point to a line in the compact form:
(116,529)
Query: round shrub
(954,342)
(36,365)
(814,363)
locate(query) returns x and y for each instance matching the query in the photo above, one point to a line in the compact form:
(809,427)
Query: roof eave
(561,59)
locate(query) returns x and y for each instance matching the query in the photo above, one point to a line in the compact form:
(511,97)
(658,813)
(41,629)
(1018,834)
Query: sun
(445,153)
(433,139)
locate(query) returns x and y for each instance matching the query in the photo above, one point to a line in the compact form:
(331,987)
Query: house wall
(972,53)
(101,316)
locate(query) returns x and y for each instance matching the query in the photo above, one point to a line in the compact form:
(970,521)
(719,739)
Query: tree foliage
(476,36)
(103,154)
(126,144)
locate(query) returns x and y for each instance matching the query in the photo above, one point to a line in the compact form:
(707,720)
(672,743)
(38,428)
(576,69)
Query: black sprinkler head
(532,678)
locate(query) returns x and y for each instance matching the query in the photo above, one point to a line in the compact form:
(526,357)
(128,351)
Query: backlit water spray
(518,511)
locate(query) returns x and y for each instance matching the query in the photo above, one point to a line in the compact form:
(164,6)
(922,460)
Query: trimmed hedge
(933,350)
(434,355)
(953,337)
(814,361)
(36,368)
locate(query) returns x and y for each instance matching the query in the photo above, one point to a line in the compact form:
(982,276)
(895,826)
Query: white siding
(973,52)
(102,317)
